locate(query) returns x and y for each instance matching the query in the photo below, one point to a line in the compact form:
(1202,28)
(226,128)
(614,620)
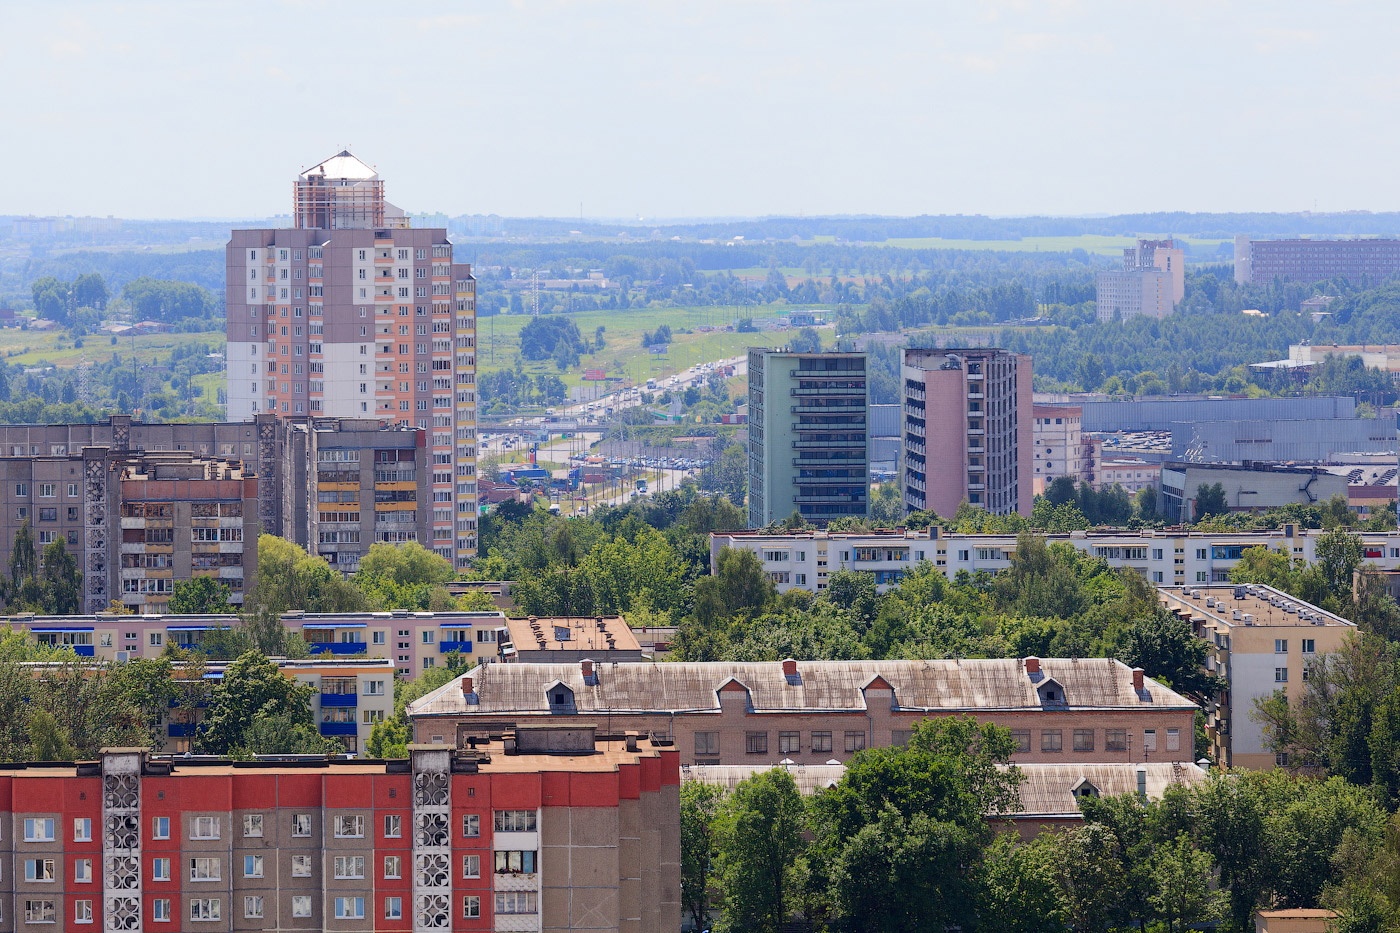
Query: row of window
(209,909)
(789,743)
(1084,740)
(41,829)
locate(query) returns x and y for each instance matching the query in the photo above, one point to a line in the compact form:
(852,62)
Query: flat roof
(1265,605)
(586,633)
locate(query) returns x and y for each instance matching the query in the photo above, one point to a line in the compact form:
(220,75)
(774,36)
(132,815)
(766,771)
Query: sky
(671,108)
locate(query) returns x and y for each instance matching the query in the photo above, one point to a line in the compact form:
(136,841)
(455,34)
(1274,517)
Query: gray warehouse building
(1310,440)
(1248,487)
(1159,414)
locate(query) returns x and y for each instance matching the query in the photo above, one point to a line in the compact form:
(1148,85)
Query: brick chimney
(1137,679)
(1032,665)
(469,689)
(789,667)
(586,668)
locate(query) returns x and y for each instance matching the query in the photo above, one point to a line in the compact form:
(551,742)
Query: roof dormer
(1050,692)
(560,697)
(1083,788)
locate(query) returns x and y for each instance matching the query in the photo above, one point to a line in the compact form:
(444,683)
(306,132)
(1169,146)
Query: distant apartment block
(1152,281)
(1131,474)
(813,712)
(1259,262)
(806,560)
(538,830)
(1261,640)
(414,641)
(351,314)
(1059,445)
(808,436)
(968,432)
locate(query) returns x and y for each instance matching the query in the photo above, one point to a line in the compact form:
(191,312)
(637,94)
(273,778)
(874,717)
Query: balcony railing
(340,699)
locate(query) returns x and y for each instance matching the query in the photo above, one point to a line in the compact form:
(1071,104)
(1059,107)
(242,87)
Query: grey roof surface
(940,685)
(341,165)
(1045,791)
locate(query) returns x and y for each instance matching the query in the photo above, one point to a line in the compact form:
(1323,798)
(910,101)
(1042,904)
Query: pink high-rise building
(349,313)
(967,430)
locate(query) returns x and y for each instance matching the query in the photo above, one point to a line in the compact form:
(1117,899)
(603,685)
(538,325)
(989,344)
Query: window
(855,741)
(38,869)
(1281,759)
(252,906)
(1309,646)
(82,871)
(301,824)
(252,866)
(204,869)
(428,638)
(393,866)
(393,827)
(46,490)
(1115,740)
(471,866)
(252,824)
(1149,740)
(349,866)
(471,906)
(756,743)
(157,638)
(471,825)
(1051,740)
(393,908)
(1173,740)
(82,830)
(1280,675)
(301,868)
(789,743)
(349,827)
(1280,646)
(821,741)
(349,908)
(1083,740)
(301,905)
(205,827)
(38,830)
(82,911)
(513,821)
(39,912)
(516,902)
(160,909)
(205,908)
(374,688)
(160,869)
(900,737)
(1022,738)
(379,638)
(706,743)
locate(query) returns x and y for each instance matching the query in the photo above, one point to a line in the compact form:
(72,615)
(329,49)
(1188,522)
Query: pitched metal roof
(342,165)
(819,686)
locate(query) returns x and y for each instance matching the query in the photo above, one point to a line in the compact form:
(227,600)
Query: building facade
(1059,445)
(501,838)
(1261,641)
(807,559)
(362,319)
(1248,487)
(1152,281)
(1131,474)
(1260,262)
(413,641)
(808,436)
(812,712)
(968,432)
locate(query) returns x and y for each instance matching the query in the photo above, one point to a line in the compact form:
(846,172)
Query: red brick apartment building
(506,836)
(815,712)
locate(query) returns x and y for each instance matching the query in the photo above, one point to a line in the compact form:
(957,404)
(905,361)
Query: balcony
(339,728)
(340,699)
(337,647)
(447,647)
(179,730)
(829,498)
(828,443)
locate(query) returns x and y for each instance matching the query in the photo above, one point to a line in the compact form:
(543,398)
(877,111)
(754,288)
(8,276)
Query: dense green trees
(542,336)
(200,595)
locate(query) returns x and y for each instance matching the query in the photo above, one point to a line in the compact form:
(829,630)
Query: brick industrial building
(812,712)
(967,430)
(507,836)
(351,314)
(1259,262)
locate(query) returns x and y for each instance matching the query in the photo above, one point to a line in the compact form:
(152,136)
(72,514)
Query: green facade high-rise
(808,436)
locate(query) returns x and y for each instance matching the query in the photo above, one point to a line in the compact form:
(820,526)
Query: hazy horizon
(167,110)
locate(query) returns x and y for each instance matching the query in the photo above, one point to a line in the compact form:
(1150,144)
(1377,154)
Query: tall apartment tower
(967,430)
(1152,281)
(808,444)
(351,314)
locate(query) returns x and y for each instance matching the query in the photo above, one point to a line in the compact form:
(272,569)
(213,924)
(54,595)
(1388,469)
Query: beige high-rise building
(349,313)
(1152,282)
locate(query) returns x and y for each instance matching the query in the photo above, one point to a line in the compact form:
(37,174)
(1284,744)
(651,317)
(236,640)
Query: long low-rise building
(414,641)
(535,831)
(814,712)
(806,560)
